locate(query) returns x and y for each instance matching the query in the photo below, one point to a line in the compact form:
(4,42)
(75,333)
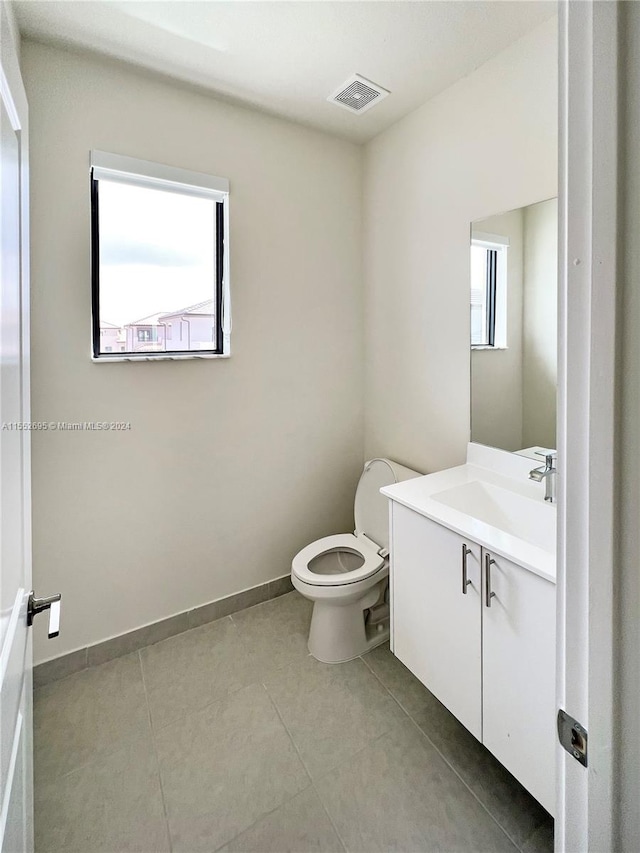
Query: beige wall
(10,42)
(540,323)
(260,454)
(496,374)
(513,391)
(487,144)
(256,455)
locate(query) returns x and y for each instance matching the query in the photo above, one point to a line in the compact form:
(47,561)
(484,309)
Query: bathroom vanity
(473,604)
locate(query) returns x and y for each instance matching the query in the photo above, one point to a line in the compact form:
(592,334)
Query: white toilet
(346,576)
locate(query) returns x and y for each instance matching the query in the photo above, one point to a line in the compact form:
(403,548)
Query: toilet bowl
(346,575)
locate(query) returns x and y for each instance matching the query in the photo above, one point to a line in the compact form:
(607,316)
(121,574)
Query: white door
(16,789)
(437,632)
(519,651)
(597,805)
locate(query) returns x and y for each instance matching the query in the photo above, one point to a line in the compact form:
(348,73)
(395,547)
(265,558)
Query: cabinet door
(519,675)
(436,628)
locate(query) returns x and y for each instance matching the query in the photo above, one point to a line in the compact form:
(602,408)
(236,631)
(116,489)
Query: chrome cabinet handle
(52,604)
(465,580)
(488,562)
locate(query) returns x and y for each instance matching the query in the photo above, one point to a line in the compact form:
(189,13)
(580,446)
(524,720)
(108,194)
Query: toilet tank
(371,509)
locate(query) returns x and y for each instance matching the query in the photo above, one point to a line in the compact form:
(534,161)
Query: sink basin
(525,518)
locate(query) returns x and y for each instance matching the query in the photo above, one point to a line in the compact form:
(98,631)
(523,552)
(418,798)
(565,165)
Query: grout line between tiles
(295,746)
(443,757)
(257,820)
(338,766)
(333,769)
(101,755)
(136,648)
(155,752)
(155,728)
(286,728)
(284,802)
(347,757)
(192,713)
(331,821)
(96,759)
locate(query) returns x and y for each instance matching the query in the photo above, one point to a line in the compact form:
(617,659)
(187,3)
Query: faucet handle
(550,456)
(546,453)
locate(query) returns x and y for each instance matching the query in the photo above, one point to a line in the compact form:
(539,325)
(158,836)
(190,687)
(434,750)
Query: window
(159,256)
(488,290)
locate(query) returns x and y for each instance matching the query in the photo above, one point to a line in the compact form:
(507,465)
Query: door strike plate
(572,736)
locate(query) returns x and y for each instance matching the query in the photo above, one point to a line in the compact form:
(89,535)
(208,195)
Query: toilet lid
(371,509)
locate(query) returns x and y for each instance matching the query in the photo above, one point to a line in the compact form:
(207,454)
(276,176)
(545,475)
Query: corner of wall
(9,28)
(485,145)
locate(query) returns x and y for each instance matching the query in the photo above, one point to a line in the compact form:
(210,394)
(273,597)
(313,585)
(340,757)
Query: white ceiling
(287,57)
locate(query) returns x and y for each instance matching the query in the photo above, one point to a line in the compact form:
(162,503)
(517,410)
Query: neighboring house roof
(105,324)
(206,308)
(151,320)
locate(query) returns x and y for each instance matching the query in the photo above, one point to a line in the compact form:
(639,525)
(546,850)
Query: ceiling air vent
(358,94)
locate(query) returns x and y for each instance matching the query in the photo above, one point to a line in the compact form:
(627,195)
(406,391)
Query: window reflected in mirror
(488,290)
(513,321)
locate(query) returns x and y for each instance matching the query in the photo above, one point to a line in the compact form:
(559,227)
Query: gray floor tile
(224,767)
(398,679)
(275,633)
(331,710)
(113,804)
(230,772)
(398,794)
(512,806)
(299,826)
(87,715)
(187,672)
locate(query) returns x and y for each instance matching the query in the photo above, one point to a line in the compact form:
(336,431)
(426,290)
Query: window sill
(475,349)
(110,358)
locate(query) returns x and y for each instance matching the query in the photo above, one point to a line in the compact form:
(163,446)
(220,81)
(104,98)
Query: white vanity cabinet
(486,651)
(518,674)
(436,628)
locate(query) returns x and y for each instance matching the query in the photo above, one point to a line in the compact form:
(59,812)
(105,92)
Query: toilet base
(339,631)
(376,640)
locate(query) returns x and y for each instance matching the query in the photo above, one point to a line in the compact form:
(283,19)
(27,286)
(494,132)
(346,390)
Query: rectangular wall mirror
(514,324)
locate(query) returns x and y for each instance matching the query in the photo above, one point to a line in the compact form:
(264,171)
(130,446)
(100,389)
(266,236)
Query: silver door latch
(52,604)
(572,736)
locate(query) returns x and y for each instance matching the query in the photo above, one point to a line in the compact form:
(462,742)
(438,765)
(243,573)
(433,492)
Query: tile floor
(232,737)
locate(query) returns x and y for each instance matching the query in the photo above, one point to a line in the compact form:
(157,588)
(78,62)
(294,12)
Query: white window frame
(144,173)
(499,244)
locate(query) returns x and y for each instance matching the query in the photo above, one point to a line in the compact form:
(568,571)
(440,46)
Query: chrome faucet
(546,473)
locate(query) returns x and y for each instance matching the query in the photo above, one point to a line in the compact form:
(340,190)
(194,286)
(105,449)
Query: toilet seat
(373,560)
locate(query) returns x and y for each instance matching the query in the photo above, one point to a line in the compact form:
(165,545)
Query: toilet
(347,575)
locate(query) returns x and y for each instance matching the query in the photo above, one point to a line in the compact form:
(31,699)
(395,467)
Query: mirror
(514,328)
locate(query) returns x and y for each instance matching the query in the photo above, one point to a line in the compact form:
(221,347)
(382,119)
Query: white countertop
(418,494)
